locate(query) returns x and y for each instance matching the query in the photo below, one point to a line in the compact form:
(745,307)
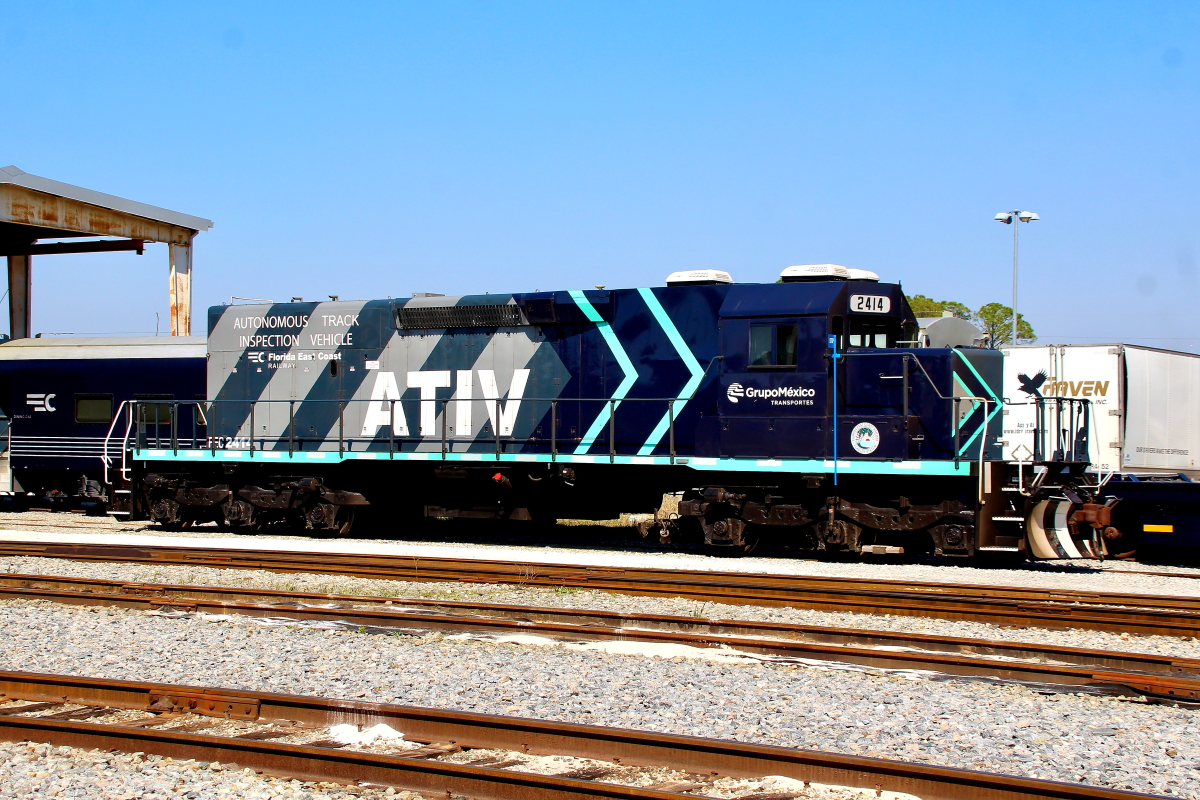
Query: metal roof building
(33,208)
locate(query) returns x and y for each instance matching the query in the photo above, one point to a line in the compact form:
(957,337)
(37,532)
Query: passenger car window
(93,408)
(153,413)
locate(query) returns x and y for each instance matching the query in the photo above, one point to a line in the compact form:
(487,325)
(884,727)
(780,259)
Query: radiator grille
(459,316)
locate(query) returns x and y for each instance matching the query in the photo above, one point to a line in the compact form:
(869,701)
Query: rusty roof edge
(14,175)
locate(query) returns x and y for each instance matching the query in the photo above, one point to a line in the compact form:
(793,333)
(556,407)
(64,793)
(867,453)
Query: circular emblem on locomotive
(735,391)
(864,438)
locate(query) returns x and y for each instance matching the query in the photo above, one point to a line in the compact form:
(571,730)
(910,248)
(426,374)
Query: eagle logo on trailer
(864,438)
(1032,386)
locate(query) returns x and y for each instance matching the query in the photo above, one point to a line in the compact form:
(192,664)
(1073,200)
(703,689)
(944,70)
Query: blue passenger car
(67,401)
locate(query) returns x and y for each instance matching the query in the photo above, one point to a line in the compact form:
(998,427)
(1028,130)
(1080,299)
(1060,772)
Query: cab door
(773,387)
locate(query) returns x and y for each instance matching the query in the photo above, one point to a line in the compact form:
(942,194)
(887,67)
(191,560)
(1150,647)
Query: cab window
(772,345)
(872,332)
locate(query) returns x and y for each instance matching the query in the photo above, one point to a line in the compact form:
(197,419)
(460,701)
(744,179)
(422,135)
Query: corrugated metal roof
(11,174)
(88,347)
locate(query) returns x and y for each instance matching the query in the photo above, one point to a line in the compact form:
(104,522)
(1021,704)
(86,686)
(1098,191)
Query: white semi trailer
(1144,433)
(1145,403)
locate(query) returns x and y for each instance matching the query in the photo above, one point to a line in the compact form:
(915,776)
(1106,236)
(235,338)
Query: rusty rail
(1139,614)
(470,730)
(1159,677)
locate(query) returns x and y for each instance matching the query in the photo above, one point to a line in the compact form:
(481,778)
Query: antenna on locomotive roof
(333,297)
(599,285)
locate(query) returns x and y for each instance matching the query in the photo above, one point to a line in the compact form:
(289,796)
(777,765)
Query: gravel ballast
(1004,728)
(584,599)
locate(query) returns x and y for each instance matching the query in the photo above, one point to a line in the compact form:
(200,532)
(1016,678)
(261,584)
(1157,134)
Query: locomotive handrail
(985,401)
(495,421)
(1066,441)
(127,406)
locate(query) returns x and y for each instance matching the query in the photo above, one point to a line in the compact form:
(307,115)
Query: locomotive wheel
(236,517)
(344,520)
(729,536)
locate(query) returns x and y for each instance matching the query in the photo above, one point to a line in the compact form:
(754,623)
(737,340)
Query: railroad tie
(674,786)
(430,750)
(588,773)
(333,744)
(29,708)
(150,722)
(193,727)
(266,733)
(496,762)
(89,712)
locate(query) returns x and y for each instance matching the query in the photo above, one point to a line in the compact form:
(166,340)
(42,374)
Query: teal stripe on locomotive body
(783,466)
(685,354)
(629,377)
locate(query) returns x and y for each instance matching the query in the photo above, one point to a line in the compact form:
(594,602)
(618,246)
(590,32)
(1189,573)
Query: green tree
(923,306)
(996,321)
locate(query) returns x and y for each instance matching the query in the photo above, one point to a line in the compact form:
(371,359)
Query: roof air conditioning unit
(699,277)
(815,272)
(863,275)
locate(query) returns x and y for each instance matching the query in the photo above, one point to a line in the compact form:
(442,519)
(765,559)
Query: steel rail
(471,730)
(1003,605)
(1108,659)
(1159,677)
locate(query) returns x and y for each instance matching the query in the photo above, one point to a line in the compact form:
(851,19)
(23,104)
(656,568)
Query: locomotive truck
(802,410)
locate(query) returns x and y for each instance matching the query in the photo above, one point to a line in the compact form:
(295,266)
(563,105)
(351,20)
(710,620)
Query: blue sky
(368,150)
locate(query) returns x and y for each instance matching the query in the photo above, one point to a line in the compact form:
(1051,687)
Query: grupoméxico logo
(778,396)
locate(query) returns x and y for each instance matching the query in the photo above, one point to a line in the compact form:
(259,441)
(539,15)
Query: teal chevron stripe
(998,405)
(685,352)
(622,357)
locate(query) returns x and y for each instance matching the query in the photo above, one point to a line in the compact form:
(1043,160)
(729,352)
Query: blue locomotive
(801,409)
(65,406)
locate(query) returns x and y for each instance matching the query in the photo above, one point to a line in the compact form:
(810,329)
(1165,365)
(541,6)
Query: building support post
(181,288)
(20,285)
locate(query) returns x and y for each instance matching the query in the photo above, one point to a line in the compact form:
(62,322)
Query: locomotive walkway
(71,710)
(1067,668)
(1007,605)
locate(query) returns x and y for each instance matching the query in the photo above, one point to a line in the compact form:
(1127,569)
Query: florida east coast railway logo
(864,438)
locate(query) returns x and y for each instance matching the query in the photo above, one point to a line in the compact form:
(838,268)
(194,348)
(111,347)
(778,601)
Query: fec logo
(864,438)
(40,402)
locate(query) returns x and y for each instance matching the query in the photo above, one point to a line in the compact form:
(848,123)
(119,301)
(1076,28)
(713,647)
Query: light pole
(1008,218)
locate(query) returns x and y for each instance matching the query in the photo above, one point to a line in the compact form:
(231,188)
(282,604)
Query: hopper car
(802,410)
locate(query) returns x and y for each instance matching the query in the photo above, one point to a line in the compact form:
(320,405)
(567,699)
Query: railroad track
(1005,605)
(1055,667)
(158,719)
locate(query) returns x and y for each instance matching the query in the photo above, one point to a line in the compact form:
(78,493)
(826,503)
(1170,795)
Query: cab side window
(773,345)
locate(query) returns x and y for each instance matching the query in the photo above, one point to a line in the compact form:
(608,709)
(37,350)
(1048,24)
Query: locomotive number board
(870,303)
